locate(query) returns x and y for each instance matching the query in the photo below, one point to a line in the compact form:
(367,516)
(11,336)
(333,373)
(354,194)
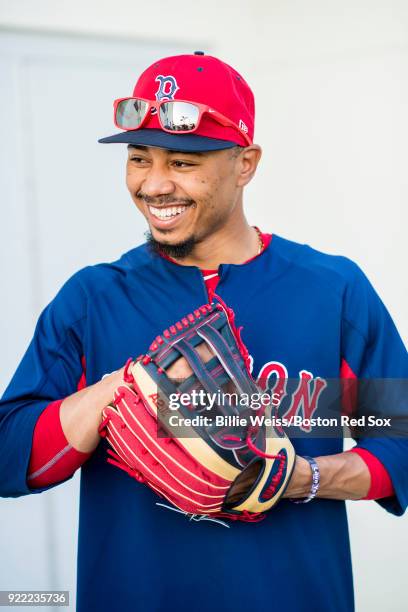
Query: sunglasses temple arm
(228,123)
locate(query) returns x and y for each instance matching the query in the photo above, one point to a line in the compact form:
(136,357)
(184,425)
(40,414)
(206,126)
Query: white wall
(331,89)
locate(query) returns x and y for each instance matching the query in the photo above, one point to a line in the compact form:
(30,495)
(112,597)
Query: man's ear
(247,161)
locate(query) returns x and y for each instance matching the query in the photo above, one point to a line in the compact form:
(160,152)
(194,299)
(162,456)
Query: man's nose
(157,183)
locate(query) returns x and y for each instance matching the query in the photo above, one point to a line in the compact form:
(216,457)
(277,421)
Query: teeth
(166,213)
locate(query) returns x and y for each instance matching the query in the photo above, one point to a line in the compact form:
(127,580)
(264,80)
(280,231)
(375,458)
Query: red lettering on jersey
(267,371)
(305,397)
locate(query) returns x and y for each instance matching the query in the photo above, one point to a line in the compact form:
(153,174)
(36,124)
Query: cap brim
(174,142)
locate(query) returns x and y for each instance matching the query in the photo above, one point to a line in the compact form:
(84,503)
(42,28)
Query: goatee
(176,251)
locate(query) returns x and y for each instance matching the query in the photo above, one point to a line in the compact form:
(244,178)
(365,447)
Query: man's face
(185,197)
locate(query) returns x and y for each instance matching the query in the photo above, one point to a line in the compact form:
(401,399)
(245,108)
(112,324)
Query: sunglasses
(178,116)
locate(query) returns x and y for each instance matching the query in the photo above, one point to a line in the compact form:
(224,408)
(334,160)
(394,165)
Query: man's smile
(167,217)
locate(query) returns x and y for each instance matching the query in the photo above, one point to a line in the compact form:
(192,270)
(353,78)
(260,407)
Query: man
(308,315)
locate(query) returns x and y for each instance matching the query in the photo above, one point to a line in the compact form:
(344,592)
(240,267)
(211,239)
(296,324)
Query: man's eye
(182,164)
(138,160)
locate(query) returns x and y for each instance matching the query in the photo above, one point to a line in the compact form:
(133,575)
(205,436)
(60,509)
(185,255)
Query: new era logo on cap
(243,127)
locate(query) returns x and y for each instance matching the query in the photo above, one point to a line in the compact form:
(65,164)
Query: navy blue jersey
(302,311)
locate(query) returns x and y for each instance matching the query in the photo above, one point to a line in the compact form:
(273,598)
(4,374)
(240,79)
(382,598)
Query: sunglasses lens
(179,116)
(130,113)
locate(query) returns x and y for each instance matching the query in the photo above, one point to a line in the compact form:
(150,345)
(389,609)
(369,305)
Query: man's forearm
(342,476)
(80,413)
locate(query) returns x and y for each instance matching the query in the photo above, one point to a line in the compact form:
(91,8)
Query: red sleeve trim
(381,484)
(52,457)
(82,380)
(349,389)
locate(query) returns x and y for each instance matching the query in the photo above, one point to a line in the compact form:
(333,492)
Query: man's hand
(80,413)
(342,476)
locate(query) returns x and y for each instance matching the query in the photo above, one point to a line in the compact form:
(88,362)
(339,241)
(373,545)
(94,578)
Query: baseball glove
(210,457)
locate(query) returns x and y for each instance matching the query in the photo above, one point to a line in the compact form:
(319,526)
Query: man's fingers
(180,369)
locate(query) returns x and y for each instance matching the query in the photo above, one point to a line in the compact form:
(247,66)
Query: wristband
(315,482)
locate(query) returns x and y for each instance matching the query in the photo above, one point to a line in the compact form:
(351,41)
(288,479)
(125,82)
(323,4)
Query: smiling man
(306,315)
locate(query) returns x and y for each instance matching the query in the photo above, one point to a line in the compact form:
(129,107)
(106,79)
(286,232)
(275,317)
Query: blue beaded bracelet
(315,482)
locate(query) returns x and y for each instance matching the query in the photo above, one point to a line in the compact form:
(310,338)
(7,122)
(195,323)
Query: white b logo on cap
(167,87)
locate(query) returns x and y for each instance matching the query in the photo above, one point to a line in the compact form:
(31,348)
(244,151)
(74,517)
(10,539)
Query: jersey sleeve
(49,371)
(53,459)
(373,351)
(381,483)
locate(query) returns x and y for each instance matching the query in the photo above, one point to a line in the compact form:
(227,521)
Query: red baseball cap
(196,78)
